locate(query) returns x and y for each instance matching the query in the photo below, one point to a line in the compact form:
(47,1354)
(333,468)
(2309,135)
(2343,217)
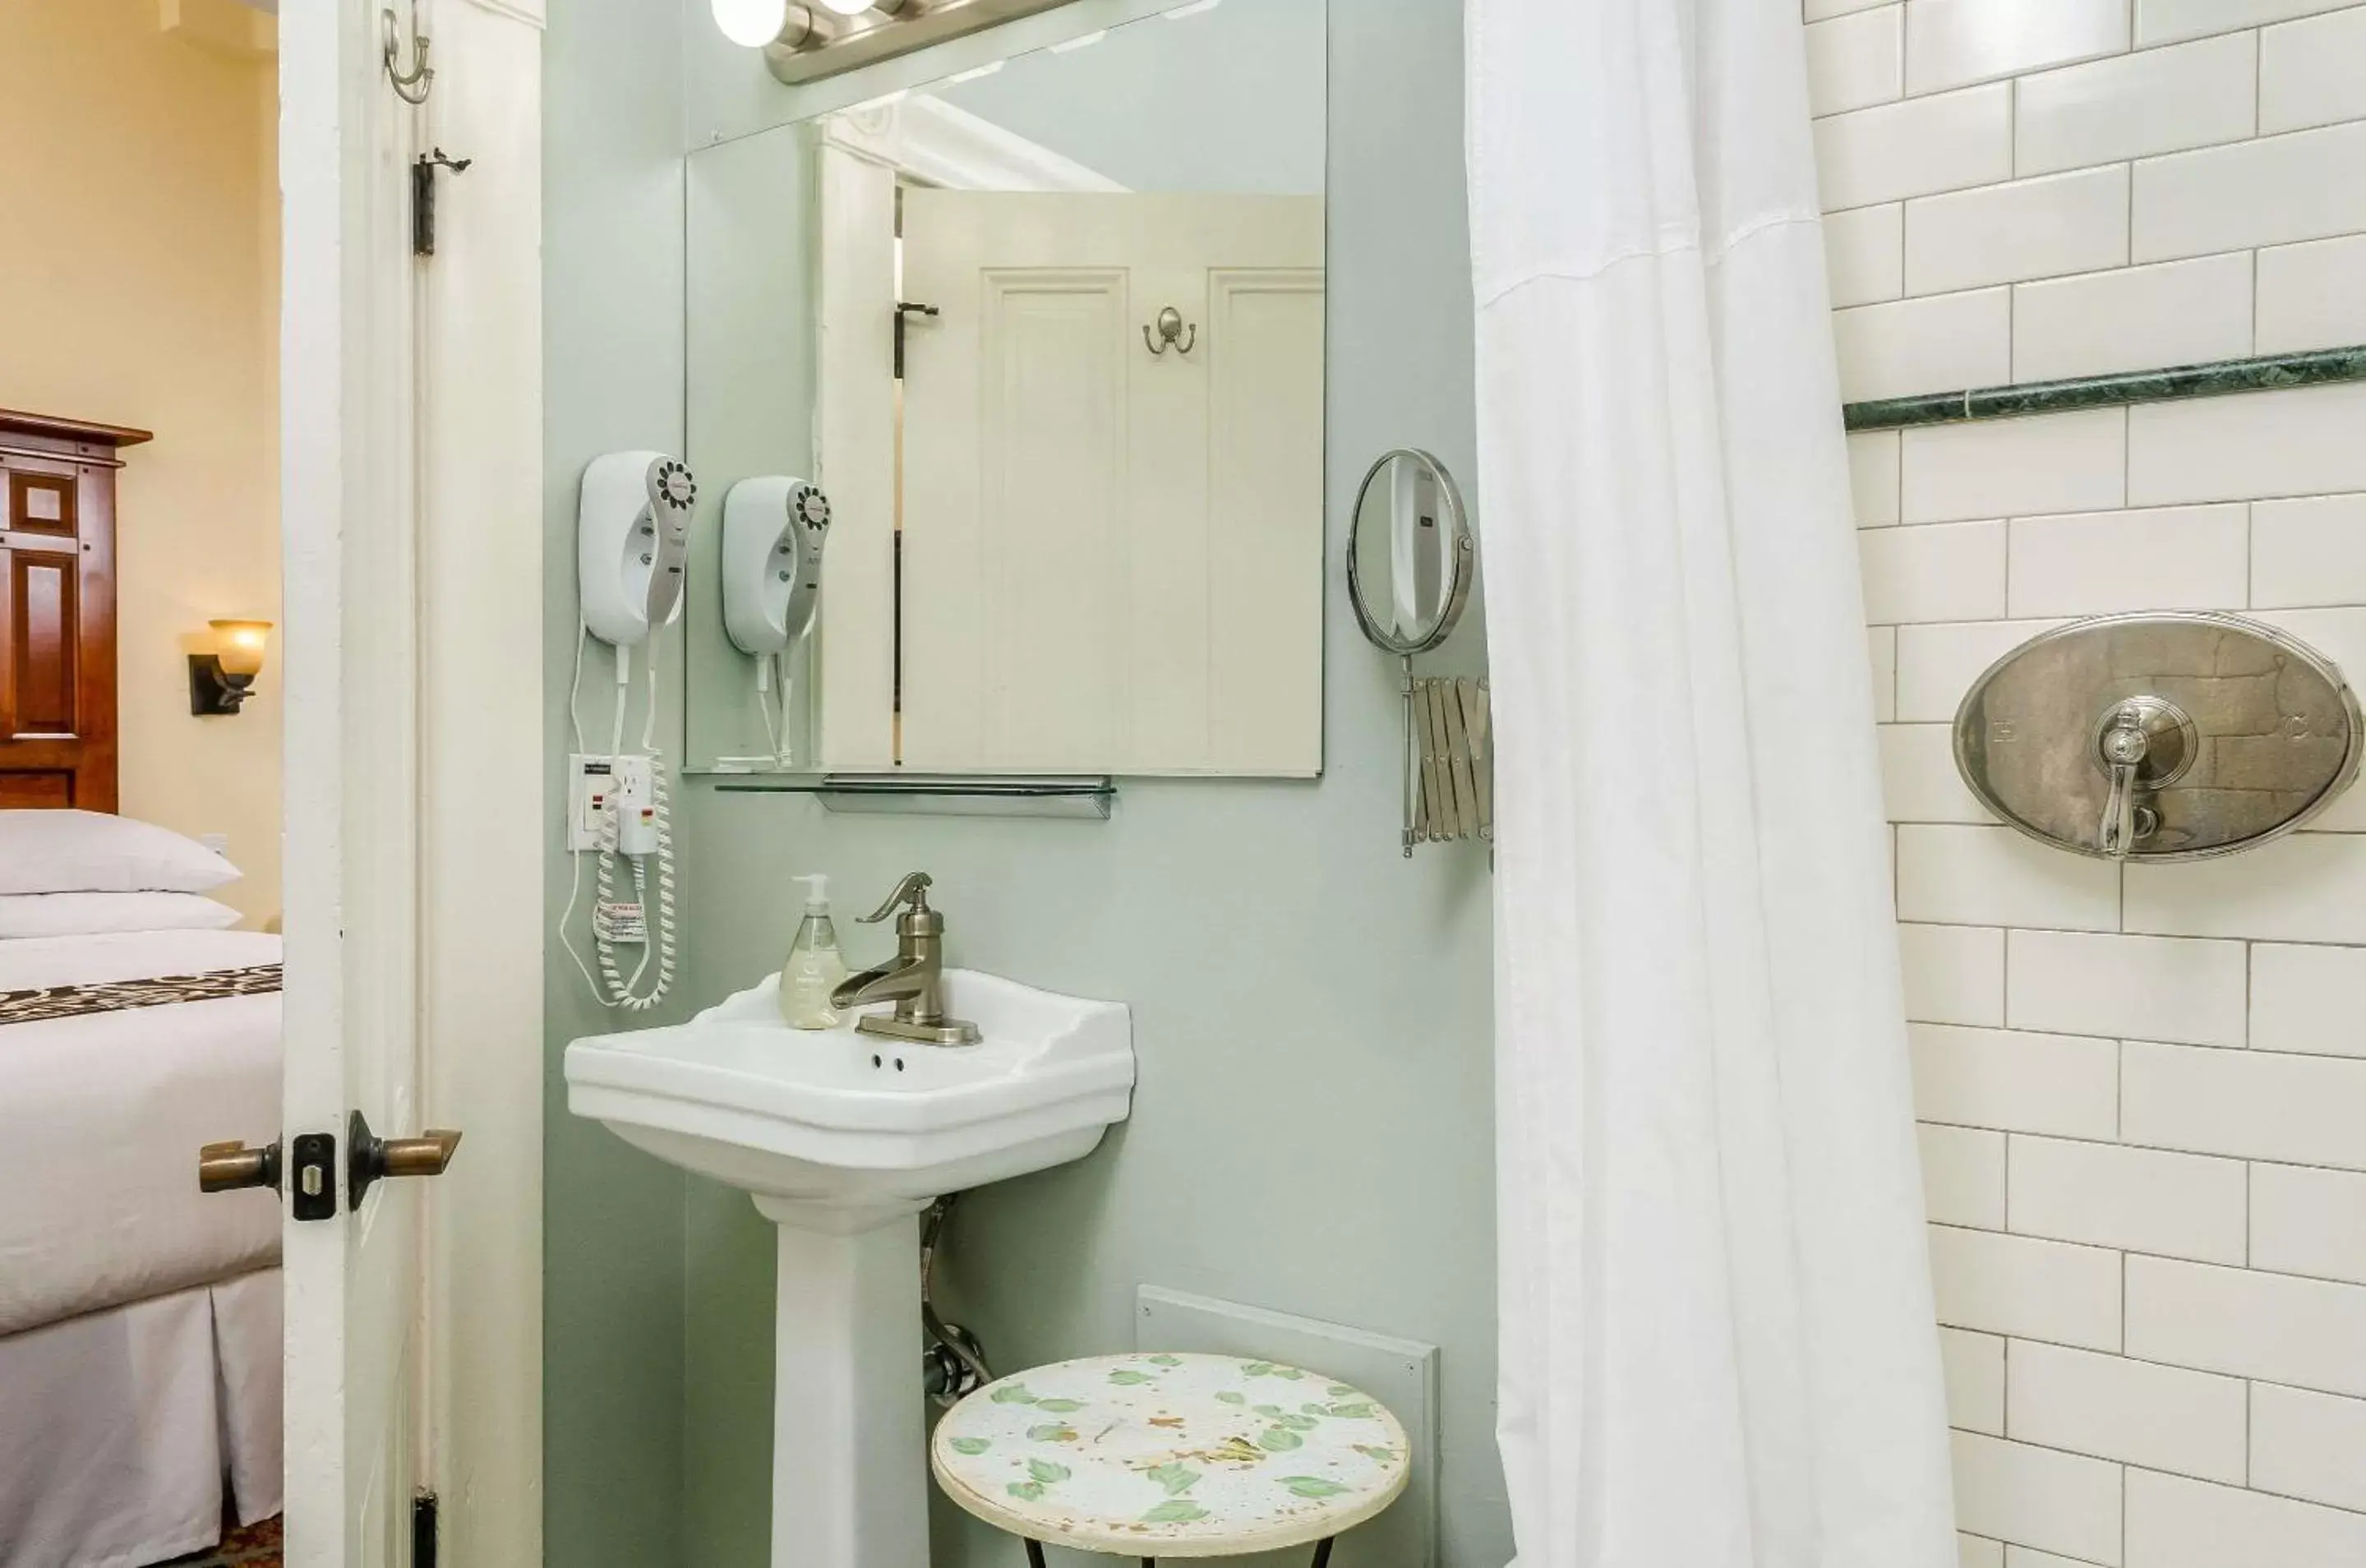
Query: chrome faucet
(913,979)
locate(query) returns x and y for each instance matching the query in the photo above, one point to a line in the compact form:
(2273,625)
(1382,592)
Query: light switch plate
(1400,1373)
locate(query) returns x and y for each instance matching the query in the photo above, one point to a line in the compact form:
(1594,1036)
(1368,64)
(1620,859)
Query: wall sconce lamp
(221,681)
(807,42)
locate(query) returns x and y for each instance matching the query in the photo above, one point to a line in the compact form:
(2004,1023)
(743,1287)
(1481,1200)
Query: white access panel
(1400,1373)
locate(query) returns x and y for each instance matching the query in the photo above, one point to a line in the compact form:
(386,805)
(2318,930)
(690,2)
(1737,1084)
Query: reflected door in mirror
(1112,538)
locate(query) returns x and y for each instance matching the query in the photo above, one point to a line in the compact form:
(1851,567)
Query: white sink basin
(835,1119)
(842,1139)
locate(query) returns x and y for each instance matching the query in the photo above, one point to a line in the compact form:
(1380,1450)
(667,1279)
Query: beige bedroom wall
(138,261)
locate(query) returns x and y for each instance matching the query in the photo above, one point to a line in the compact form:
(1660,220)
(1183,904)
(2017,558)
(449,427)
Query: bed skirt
(122,1433)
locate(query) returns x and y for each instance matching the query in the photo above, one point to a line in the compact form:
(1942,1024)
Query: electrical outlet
(591,780)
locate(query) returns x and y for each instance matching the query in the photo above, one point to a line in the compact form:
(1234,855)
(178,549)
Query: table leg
(1034,1554)
(1323,1552)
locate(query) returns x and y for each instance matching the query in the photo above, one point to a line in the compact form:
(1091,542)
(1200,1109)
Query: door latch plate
(313,1178)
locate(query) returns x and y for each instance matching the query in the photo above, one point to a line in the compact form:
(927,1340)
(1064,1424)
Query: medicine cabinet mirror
(1048,335)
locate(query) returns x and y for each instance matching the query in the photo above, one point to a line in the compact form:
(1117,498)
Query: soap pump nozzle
(816,892)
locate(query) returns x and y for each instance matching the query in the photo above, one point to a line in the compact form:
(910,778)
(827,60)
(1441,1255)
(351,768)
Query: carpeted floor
(255,1546)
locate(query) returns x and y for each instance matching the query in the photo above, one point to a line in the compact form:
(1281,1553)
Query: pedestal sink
(842,1139)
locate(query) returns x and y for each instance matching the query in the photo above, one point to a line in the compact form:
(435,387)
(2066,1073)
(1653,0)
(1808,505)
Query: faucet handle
(913,889)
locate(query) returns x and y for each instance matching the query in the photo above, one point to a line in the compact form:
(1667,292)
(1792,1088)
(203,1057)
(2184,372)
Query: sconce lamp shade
(239,646)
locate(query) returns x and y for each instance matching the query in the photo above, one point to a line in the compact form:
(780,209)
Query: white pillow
(85,914)
(90,852)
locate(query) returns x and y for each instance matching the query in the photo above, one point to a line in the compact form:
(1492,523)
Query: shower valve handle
(2125,746)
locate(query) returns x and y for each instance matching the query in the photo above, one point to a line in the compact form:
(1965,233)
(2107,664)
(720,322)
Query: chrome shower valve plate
(2240,732)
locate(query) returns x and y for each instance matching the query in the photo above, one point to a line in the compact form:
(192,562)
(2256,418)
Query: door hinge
(423,196)
(423,1531)
(312,1176)
(903,312)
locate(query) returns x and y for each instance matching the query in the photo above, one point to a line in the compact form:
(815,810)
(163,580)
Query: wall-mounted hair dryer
(774,530)
(632,541)
(632,538)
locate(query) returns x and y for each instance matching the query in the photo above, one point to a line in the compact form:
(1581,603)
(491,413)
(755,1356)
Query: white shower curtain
(1717,1347)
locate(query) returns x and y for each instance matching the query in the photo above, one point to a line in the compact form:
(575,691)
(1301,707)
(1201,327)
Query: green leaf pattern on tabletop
(1053,1432)
(1176,1511)
(971,1446)
(1060,1407)
(1013,1394)
(1166,1360)
(1045,1471)
(1376,1453)
(1125,1378)
(1026,1491)
(1312,1486)
(1349,1412)
(1280,1440)
(1232,1397)
(1175,1478)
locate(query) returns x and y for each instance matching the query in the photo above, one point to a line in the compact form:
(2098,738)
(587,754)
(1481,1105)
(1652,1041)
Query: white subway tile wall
(1918,345)
(1973,1365)
(2185,312)
(2308,294)
(2040,228)
(2142,1094)
(2134,106)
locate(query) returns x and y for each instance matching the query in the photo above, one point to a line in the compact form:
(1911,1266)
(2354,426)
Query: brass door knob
(370,1159)
(228,1166)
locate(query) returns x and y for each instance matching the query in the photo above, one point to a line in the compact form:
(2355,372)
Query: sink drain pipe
(952,1365)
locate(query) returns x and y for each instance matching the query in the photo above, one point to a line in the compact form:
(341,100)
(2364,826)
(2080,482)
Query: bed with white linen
(140,1319)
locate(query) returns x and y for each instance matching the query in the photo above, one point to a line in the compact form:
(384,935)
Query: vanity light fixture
(808,42)
(221,681)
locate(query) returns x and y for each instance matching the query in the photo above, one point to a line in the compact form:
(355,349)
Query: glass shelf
(941,795)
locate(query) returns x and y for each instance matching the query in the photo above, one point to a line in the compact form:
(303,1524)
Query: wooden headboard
(57,610)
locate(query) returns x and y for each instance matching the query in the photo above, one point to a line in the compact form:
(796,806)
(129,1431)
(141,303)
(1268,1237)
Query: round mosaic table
(1156,1456)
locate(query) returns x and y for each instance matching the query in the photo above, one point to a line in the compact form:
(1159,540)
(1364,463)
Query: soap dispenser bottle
(815,966)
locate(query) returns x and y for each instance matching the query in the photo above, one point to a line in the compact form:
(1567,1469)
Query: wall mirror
(1045,341)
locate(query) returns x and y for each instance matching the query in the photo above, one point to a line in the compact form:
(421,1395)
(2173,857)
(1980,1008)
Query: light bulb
(751,24)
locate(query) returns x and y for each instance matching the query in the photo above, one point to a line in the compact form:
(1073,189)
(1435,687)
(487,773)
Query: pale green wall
(613,378)
(1312,1131)
(1313,1012)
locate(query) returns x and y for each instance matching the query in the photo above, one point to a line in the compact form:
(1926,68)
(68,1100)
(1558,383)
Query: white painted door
(348,511)
(1111,556)
(411,504)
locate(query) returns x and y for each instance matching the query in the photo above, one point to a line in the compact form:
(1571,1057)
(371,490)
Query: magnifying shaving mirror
(1409,554)
(1410,562)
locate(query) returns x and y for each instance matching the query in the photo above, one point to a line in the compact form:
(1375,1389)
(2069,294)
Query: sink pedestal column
(849,1442)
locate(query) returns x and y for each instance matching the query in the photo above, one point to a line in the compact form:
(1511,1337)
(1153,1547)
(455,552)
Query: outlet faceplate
(591,780)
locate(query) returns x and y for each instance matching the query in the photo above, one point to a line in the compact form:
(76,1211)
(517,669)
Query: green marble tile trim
(2268,372)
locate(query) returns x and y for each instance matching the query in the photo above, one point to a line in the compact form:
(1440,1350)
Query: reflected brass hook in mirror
(1170,330)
